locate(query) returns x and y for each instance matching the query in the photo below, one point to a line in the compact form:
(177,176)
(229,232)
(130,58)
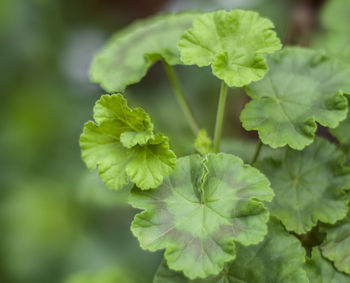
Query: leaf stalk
(220,116)
(257,152)
(181,98)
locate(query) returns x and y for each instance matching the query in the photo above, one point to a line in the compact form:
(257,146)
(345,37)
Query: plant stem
(220,116)
(257,152)
(180,97)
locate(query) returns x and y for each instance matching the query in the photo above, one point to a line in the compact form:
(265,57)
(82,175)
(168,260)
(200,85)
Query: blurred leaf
(132,51)
(335,15)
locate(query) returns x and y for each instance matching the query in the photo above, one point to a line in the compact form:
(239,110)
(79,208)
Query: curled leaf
(129,54)
(309,186)
(201,210)
(232,42)
(302,87)
(124,147)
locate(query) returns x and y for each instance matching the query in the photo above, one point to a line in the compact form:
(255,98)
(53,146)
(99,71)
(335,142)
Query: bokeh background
(58,222)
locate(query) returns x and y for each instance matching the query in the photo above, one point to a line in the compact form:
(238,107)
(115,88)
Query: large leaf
(279,258)
(309,186)
(337,244)
(124,147)
(133,50)
(302,87)
(200,210)
(320,270)
(232,42)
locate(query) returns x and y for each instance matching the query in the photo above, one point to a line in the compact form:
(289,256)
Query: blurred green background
(58,222)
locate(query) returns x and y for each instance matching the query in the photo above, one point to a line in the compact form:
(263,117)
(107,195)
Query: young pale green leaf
(123,146)
(279,258)
(232,42)
(200,210)
(129,54)
(337,244)
(203,144)
(320,270)
(309,186)
(302,87)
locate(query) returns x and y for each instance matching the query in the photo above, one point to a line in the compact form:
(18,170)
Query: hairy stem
(257,152)
(180,97)
(220,116)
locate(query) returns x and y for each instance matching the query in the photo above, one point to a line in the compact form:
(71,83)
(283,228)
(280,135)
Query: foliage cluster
(283,218)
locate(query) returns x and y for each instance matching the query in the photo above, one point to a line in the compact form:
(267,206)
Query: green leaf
(302,87)
(203,144)
(129,54)
(279,258)
(309,186)
(200,210)
(342,132)
(337,244)
(320,270)
(124,147)
(232,42)
(335,16)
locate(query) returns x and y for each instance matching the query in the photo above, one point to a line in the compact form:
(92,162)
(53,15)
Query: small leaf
(302,87)
(129,54)
(203,144)
(200,210)
(279,258)
(309,186)
(337,244)
(232,42)
(123,146)
(320,270)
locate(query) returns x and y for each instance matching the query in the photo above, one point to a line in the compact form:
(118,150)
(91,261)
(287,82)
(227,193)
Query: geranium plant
(280,219)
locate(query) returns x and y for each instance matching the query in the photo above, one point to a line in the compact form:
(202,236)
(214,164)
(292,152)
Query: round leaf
(279,258)
(200,210)
(337,244)
(123,146)
(309,186)
(132,51)
(302,87)
(320,270)
(232,42)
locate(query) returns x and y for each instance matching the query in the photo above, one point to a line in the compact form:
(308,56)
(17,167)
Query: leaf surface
(279,258)
(337,244)
(309,186)
(130,52)
(302,87)
(200,210)
(232,43)
(124,147)
(320,270)
(335,16)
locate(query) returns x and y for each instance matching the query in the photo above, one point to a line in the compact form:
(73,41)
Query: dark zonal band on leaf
(200,211)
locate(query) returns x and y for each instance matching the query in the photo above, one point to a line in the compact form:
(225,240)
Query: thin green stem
(220,116)
(180,97)
(257,152)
